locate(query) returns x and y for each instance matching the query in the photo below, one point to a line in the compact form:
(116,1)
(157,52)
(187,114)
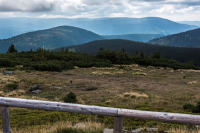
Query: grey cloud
(26,6)
(191,3)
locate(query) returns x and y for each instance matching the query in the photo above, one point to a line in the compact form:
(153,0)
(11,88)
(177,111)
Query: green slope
(185,39)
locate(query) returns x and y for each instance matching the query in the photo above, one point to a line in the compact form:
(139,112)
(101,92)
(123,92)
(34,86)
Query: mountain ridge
(185,39)
(101,26)
(50,38)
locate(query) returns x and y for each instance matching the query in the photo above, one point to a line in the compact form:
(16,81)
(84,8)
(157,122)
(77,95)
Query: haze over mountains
(51,38)
(10,27)
(197,23)
(185,39)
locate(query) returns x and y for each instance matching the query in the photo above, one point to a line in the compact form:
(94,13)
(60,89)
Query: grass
(161,90)
(64,127)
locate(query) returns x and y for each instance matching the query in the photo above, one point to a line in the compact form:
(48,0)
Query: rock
(152,129)
(36,91)
(8,73)
(57,87)
(139,130)
(35,87)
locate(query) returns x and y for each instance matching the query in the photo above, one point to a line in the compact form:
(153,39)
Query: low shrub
(91,88)
(11,68)
(13,86)
(188,106)
(41,66)
(70,98)
(193,108)
(7,63)
(196,109)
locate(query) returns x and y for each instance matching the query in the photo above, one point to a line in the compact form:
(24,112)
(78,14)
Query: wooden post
(5,119)
(118,124)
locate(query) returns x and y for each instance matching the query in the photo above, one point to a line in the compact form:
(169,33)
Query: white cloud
(171,9)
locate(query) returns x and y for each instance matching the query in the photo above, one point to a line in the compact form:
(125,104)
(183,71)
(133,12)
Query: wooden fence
(118,113)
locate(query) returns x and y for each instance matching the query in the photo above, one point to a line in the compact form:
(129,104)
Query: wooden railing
(118,113)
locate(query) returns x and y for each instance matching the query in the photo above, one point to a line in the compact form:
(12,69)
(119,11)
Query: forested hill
(178,53)
(135,37)
(185,39)
(61,36)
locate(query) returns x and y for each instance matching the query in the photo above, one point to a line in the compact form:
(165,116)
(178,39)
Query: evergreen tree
(11,49)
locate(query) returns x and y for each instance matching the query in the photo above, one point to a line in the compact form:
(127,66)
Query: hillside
(185,39)
(61,36)
(135,37)
(178,53)
(102,26)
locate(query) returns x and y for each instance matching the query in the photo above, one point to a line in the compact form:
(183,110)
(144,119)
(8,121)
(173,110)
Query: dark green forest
(181,54)
(45,60)
(135,37)
(185,39)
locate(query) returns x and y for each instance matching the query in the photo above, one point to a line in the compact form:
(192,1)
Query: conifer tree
(11,49)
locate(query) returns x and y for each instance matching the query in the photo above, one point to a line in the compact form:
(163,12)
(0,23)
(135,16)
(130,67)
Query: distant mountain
(10,27)
(134,37)
(51,38)
(196,23)
(181,54)
(185,39)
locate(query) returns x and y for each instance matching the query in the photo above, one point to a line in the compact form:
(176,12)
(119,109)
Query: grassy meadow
(128,86)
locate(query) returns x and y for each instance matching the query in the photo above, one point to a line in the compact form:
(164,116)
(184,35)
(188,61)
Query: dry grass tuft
(139,70)
(188,70)
(4,79)
(139,73)
(152,71)
(16,93)
(134,95)
(89,126)
(191,83)
(183,130)
(99,73)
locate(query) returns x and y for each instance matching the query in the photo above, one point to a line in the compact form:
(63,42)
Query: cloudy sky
(176,10)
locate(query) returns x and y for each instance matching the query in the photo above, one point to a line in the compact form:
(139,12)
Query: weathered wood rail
(118,113)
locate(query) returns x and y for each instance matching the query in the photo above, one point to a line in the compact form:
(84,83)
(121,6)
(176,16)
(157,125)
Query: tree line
(45,60)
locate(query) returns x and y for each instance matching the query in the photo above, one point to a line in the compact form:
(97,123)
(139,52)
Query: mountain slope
(185,39)
(181,54)
(101,26)
(135,37)
(51,38)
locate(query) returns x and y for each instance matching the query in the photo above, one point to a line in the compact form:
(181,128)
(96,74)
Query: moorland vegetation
(109,78)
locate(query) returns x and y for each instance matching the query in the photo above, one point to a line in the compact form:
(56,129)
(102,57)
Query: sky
(175,10)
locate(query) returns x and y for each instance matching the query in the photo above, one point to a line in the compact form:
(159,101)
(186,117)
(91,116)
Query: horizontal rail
(97,110)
